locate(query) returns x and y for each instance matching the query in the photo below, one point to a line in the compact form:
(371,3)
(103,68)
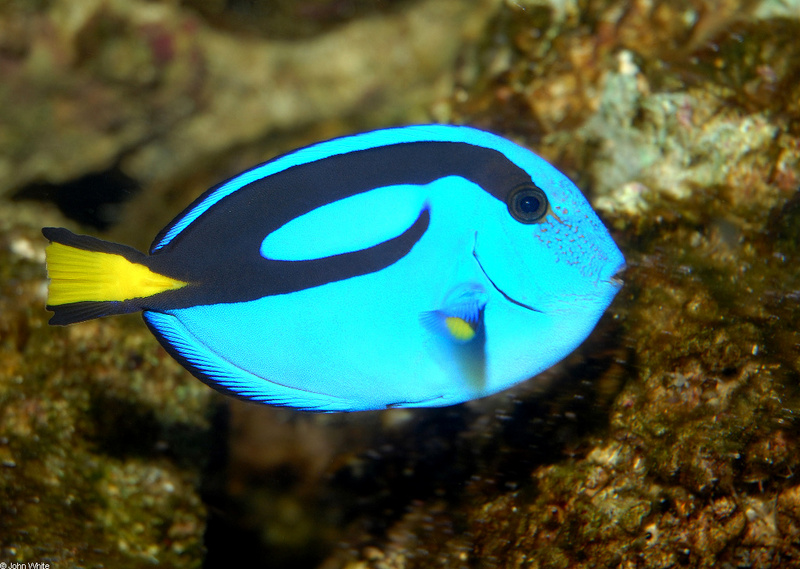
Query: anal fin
(222,375)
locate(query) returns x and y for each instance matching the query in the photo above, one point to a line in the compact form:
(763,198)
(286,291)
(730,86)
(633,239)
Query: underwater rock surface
(102,436)
(681,119)
(669,439)
(154,93)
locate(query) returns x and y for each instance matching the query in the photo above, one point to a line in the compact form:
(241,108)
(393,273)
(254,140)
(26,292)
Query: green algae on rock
(71,493)
(154,89)
(681,123)
(672,442)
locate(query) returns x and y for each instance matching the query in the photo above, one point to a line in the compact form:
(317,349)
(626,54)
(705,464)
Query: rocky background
(669,439)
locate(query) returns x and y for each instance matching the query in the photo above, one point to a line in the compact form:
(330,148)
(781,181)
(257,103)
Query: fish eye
(527,203)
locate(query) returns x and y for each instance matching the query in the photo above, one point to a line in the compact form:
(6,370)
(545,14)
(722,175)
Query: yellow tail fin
(85,270)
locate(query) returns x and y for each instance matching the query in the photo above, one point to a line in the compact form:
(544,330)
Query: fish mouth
(497,288)
(616,277)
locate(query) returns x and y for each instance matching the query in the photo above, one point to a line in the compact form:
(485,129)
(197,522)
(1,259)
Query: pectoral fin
(452,328)
(460,335)
(460,316)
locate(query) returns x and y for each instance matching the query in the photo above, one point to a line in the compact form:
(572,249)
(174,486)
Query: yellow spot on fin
(452,328)
(80,275)
(459,329)
(460,319)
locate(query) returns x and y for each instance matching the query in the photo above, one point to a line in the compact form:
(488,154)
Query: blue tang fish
(408,267)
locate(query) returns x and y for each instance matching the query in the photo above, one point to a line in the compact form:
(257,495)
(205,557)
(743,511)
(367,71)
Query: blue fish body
(407,267)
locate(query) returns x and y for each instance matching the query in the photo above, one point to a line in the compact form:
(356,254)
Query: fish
(416,266)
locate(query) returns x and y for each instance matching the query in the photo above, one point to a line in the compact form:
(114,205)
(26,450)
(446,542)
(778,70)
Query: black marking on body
(219,252)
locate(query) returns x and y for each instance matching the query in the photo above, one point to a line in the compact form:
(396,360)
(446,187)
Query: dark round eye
(527,203)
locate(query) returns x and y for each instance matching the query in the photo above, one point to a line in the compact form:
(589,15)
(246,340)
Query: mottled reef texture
(153,94)
(102,436)
(682,121)
(119,113)
(669,439)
